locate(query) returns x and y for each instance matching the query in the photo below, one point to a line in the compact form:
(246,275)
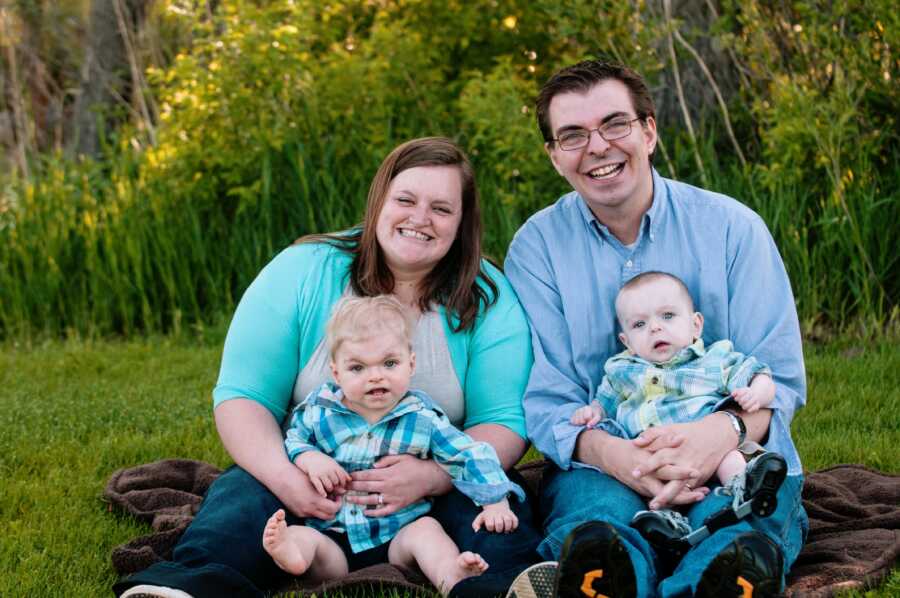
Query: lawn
(73,412)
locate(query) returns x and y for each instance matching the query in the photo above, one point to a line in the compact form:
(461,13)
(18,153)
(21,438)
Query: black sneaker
(751,566)
(762,480)
(594,562)
(666,531)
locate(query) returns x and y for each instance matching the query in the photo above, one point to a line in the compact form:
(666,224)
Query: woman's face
(419,219)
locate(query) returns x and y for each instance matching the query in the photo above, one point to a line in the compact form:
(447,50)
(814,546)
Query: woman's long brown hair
(453,282)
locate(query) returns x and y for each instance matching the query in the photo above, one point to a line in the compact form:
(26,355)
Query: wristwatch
(738,424)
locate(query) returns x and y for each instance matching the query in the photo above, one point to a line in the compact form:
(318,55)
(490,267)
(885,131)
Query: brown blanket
(854,536)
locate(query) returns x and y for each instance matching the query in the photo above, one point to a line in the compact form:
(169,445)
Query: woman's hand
(395,482)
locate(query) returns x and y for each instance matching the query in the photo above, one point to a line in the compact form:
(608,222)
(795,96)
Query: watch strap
(738,424)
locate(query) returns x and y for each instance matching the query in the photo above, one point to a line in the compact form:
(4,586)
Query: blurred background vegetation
(156,153)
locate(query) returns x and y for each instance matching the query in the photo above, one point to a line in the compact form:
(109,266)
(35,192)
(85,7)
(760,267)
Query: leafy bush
(274,116)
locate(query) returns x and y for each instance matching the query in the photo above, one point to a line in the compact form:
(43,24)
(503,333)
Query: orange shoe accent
(587,585)
(747,587)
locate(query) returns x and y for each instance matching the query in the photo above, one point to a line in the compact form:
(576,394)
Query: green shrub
(275,115)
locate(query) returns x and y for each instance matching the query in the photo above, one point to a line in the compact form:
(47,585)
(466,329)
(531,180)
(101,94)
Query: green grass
(72,412)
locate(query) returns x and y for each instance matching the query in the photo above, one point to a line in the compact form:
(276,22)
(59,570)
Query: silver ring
(380,499)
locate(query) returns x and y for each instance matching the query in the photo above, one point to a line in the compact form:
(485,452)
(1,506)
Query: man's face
(656,319)
(613,177)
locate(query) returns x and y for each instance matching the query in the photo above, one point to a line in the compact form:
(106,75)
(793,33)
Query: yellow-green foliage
(273,117)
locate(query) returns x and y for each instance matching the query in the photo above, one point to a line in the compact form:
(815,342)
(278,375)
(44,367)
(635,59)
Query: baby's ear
(412,363)
(698,325)
(624,340)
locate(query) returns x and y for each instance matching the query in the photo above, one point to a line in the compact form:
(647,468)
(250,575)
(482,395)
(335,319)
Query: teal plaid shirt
(415,426)
(636,394)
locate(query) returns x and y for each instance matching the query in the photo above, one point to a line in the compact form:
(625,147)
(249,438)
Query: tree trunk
(105,80)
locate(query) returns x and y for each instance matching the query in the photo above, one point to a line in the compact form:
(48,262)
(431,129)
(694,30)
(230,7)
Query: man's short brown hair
(581,78)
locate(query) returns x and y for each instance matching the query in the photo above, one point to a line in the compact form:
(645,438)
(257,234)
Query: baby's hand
(746,398)
(589,415)
(497,517)
(759,394)
(323,471)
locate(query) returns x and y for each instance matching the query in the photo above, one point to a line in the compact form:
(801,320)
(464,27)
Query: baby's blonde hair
(355,318)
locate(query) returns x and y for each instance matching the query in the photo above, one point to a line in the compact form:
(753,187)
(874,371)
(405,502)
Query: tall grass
(90,250)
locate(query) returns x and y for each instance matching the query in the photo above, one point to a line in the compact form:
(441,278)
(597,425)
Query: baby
(666,376)
(368,414)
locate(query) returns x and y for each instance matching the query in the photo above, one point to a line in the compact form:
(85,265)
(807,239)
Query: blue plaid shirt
(415,426)
(636,394)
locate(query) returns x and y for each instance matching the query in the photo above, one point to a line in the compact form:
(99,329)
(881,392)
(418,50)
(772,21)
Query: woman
(420,241)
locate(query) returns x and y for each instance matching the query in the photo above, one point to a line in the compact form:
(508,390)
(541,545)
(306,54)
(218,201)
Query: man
(567,263)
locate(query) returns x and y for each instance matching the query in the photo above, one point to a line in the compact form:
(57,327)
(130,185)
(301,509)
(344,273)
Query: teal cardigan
(281,320)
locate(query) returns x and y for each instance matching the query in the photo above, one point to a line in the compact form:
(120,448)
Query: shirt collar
(689,353)
(331,396)
(653,217)
(650,221)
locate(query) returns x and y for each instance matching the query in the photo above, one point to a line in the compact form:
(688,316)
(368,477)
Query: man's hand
(675,491)
(759,394)
(622,458)
(701,447)
(326,475)
(496,517)
(589,415)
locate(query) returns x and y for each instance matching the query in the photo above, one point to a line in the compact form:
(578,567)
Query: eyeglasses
(610,131)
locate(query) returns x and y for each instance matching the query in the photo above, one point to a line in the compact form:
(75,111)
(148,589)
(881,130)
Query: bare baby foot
(467,564)
(278,543)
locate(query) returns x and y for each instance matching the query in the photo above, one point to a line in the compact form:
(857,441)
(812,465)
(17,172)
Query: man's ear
(698,325)
(551,149)
(624,340)
(648,129)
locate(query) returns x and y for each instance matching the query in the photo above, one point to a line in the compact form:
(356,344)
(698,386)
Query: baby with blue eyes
(667,376)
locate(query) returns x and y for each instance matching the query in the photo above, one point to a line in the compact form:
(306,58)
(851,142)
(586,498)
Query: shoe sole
(537,581)
(764,492)
(736,573)
(598,567)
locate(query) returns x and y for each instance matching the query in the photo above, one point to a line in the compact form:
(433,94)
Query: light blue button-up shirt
(567,269)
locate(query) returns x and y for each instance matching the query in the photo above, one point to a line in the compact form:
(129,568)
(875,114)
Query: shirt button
(369,435)
(353,511)
(628,264)
(654,380)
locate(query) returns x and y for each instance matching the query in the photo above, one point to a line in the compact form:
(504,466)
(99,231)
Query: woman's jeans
(221,553)
(570,498)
